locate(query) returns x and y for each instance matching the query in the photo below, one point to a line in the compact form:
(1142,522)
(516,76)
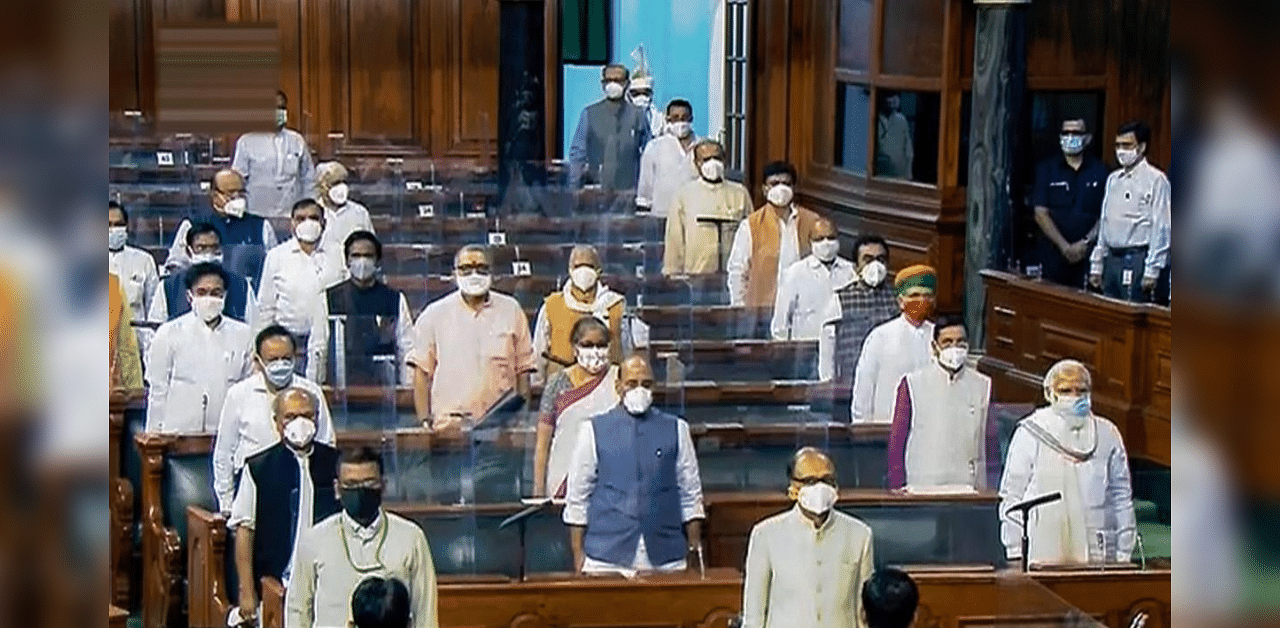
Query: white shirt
(804,295)
(582,480)
(293,284)
(178,255)
(318,342)
(740,255)
(665,165)
(244,512)
(277,170)
(1105,490)
(801,576)
(189,369)
(891,350)
(138,277)
(345,220)
(247,426)
(160,305)
(1135,212)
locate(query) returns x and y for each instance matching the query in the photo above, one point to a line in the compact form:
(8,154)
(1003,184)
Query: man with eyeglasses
(277,498)
(940,439)
(236,229)
(470,347)
(363,540)
(1067,198)
(806,566)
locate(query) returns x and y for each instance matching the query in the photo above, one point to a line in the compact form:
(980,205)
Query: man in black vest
(204,244)
(284,491)
(377,327)
(245,237)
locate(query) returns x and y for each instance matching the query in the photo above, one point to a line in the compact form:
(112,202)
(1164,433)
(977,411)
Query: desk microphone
(1034,502)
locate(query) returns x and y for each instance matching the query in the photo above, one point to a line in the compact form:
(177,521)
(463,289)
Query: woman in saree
(571,397)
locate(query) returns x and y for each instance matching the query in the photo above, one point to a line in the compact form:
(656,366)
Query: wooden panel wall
(392,75)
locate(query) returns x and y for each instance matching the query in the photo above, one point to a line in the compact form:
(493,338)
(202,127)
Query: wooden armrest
(207,598)
(272,602)
(121,506)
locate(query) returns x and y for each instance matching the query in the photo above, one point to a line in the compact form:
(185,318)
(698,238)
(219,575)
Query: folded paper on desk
(944,489)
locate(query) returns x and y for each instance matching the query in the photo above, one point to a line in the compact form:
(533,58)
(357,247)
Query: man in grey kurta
(610,137)
(276,167)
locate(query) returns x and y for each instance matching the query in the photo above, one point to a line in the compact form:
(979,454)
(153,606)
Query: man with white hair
(1066,448)
(342,216)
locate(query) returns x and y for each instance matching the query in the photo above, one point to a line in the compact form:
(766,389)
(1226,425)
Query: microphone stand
(1025,508)
(521,519)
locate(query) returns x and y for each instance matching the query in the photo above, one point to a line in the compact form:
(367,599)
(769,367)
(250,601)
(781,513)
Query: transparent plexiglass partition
(1023,602)
(750,400)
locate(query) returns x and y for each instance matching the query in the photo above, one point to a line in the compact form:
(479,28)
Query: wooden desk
(1127,347)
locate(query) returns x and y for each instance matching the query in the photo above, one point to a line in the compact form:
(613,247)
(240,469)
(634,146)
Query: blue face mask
(1073,406)
(1072,144)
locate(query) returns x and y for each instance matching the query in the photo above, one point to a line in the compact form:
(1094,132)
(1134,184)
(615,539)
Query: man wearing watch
(361,541)
(650,518)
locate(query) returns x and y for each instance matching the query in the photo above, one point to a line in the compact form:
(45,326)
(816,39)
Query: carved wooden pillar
(999,87)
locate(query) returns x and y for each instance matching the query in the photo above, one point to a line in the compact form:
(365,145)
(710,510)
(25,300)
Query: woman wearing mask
(582,296)
(342,215)
(572,396)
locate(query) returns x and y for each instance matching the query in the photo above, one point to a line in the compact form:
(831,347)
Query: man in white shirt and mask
(940,440)
(895,348)
(667,161)
(807,286)
(276,166)
(343,216)
(295,276)
(195,358)
(135,268)
(806,566)
(640,93)
(246,427)
(1066,448)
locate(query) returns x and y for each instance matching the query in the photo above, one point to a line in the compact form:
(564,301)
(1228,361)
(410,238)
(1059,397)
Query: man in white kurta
(806,288)
(703,214)
(895,348)
(1066,448)
(940,441)
(667,162)
(361,541)
(805,567)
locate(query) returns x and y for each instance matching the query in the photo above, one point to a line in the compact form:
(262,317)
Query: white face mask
(712,170)
(637,400)
(873,274)
(278,372)
(1127,156)
(299,432)
(953,358)
(116,237)
(613,90)
(207,307)
(817,498)
(680,129)
(207,258)
(338,194)
(825,250)
(474,285)
(642,100)
(593,359)
(362,268)
(780,195)
(1075,409)
(584,277)
(308,230)
(235,207)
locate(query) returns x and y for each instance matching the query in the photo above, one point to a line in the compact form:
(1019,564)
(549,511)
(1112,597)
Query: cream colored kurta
(335,555)
(801,577)
(700,226)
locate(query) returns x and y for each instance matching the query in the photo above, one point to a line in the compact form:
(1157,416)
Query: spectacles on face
(203,249)
(815,479)
(375,483)
(231,194)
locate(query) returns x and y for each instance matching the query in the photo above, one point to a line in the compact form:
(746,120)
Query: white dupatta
(574,407)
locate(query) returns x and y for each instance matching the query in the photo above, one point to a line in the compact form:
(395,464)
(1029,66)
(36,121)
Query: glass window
(913,37)
(585,26)
(855,35)
(853,110)
(907,135)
